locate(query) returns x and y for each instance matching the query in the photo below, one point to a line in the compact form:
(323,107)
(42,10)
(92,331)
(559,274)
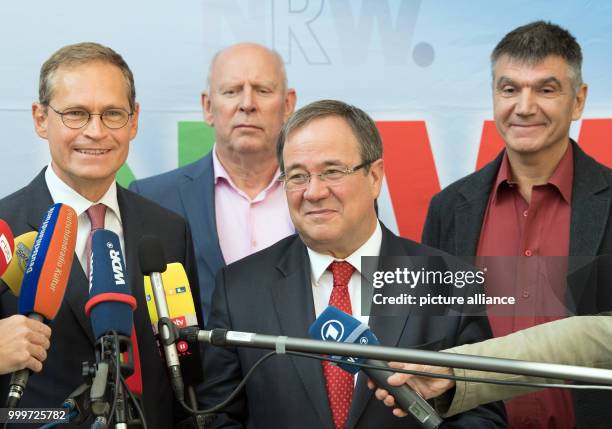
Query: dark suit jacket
(455,218)
(189,191)
(270,292)
(72,340)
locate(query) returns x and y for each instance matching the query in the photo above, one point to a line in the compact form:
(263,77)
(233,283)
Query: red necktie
(339,383)
(96,215)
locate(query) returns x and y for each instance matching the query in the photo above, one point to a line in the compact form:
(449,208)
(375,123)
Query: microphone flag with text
(13,276)
(46,278)
(7,246)
(335,325)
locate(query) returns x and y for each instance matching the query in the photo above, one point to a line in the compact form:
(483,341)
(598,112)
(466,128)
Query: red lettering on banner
(595,138)
(491,144)
(410,172)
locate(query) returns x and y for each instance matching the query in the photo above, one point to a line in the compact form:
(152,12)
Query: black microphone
(152,264)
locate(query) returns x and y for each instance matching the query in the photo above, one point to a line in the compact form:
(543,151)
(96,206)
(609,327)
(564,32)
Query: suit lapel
(77,291)
(200,214)
(388,330)
(470,215)
(294,305)
(590,211)
(131,235)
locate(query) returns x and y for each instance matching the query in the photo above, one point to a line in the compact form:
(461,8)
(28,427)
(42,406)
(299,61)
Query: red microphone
(7,246)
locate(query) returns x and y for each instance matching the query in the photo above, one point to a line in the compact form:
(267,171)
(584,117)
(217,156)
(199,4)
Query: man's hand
(23,344)
(427,387)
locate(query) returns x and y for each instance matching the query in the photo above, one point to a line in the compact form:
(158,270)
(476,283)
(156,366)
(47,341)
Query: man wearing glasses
(330,156)
(87,112)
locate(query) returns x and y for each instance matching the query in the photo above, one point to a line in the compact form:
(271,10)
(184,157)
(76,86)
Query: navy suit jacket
(189,191)
(270,292)
(72,340)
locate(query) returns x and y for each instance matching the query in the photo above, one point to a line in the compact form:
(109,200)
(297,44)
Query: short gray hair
(534,42)
(79,54)
(364,128)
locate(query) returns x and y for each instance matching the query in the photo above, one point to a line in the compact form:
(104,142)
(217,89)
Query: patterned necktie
(96,215)
(339,383)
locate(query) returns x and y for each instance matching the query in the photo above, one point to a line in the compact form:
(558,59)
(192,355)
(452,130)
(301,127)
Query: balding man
(231,197)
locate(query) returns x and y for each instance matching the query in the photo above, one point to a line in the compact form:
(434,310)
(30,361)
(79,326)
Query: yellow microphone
(182,312)
(13,276)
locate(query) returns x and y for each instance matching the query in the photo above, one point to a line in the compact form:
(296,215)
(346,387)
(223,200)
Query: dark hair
(364,128)
(534,42)
(79,54)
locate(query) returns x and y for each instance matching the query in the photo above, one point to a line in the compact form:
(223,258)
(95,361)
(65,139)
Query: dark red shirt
(527,235)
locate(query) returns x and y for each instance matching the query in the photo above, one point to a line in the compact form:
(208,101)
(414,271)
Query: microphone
(182,313)
(110,308)
(13,276)
(45,278)
(335,325)
(153,263)
(7,245)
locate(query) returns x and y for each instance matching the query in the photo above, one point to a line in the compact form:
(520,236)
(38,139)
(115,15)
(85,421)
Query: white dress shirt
(62,193)
(322,280)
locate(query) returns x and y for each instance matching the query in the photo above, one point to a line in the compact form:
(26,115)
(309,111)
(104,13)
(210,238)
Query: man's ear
(40,117)
(580,101)
(376,177)
(207,109)
(290,100)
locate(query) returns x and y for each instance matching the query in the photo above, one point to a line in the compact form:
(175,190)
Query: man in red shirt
(541,197)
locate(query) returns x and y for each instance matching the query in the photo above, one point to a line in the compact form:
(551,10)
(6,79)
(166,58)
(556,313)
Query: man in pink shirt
(231,197)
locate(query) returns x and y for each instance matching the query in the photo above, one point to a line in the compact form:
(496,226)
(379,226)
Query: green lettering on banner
(195,139)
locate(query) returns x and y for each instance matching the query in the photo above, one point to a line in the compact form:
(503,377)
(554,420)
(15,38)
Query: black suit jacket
(270,293)
(72,340)
(455,218)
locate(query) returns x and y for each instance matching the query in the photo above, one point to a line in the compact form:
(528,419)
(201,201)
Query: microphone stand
(107,397)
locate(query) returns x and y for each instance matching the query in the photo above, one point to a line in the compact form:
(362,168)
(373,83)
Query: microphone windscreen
(7,246)
(335,325)
(182,312)
(111,304)
(13,276)
(151,255)
(46,276)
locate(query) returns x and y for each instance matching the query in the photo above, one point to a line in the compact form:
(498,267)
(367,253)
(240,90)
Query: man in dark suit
(542,196)
(88,113)
(330,154)
(230,197)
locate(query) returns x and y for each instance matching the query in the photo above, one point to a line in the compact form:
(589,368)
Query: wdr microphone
(7,245)
(110,308)
(111,304)
(46,277)
(13,276)
(153,263)
(182,312)
(335,325)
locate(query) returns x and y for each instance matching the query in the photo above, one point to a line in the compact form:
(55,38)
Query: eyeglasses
(331,176)
(77,118)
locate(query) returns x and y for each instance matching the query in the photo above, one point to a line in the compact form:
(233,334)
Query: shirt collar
(319,261)
(62,193)
(221,173)
(561,178)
